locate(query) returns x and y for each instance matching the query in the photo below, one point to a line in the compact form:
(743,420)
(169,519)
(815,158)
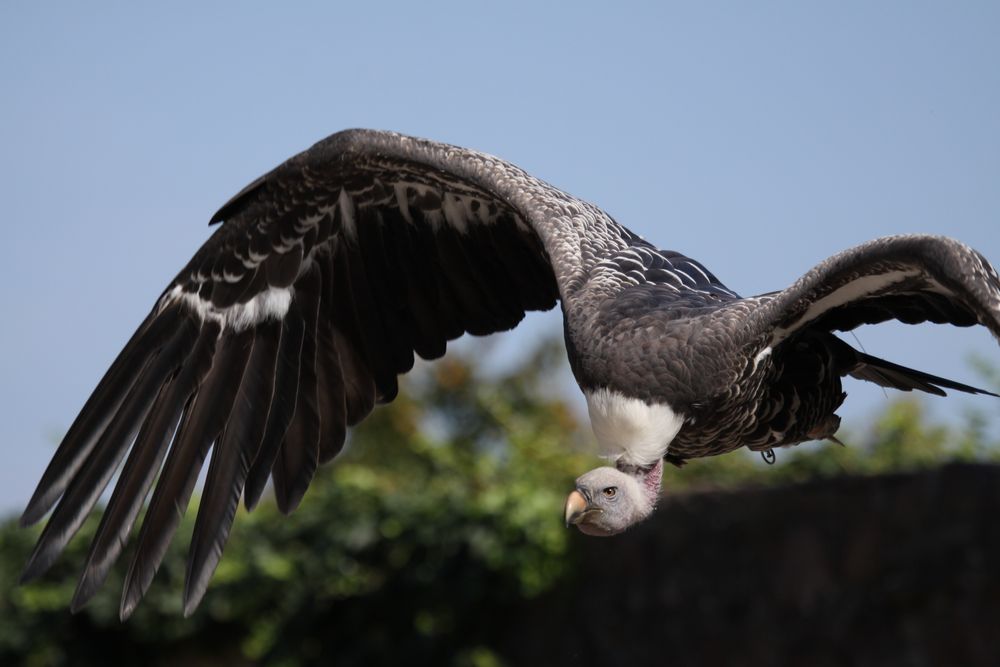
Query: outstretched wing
(291,323)
(913,279)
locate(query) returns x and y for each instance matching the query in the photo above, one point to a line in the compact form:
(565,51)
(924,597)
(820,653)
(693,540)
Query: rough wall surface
(890,570)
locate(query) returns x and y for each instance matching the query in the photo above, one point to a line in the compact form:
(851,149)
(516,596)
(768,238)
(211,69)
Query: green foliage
(444,511)
(443,515)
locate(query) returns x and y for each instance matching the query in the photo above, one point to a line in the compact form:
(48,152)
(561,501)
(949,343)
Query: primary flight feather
(328,273)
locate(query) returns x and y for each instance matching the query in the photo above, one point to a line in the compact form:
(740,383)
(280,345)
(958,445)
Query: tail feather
(887,374)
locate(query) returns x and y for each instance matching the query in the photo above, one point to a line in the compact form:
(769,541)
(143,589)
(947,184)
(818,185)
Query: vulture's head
(609,500)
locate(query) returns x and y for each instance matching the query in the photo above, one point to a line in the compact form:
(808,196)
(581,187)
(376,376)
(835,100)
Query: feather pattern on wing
(290,323)
(330,272)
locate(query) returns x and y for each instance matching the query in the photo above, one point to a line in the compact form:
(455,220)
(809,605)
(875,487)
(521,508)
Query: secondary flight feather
(329,273)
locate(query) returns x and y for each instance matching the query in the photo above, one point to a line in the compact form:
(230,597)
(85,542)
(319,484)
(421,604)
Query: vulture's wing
(679,280)
(290,323)
(913,279)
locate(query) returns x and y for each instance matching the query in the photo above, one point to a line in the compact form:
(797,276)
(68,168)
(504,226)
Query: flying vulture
(328,273)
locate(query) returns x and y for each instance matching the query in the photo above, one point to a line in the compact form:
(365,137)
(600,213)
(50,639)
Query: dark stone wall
(890,570)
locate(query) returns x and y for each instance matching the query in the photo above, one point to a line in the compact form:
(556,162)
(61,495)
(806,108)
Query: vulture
(326,276)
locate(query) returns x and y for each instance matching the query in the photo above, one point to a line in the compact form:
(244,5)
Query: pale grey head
(607,500)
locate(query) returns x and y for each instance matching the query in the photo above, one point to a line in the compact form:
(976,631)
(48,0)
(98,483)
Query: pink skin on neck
(649,478)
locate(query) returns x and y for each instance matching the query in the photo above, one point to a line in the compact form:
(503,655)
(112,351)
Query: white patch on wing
(689,281)
(698,269)
(402,201)
(303,225)
(629,430)
(255,259)
(347,214)
(938,288)
(454,213)
(856,289)
(434,218)
(272,303)
(761,356)
(421,189)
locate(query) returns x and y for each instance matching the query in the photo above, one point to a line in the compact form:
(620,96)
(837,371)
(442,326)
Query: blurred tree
(417,546)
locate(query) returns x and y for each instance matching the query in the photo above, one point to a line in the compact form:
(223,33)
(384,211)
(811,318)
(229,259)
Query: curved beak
(576,508)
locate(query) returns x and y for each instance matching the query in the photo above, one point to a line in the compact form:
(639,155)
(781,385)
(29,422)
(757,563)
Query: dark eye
(610,491)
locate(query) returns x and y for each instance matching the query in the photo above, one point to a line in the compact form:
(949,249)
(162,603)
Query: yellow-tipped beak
(576,507)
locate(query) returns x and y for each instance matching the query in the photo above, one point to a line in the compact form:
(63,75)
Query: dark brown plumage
(333,270)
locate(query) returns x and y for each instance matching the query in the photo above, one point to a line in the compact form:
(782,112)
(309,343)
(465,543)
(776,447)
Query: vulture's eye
(610,491)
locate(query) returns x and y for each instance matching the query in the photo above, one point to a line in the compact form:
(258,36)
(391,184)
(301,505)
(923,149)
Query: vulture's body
(330,272)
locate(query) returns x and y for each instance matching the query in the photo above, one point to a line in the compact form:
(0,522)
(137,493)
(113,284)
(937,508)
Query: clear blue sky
(757,137)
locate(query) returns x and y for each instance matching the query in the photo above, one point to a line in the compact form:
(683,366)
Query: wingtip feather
(130,600)
(37,565)
(32,513)
(85,590)
(190,606)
